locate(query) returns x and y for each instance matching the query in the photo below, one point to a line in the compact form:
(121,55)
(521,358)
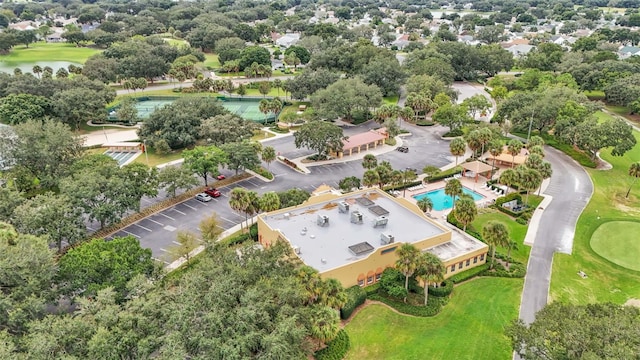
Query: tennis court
(247,109)
(147,107)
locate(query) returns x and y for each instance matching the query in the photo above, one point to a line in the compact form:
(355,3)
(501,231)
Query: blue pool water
(442,201)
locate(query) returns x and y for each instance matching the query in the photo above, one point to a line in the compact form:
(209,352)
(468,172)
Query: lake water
(8,67)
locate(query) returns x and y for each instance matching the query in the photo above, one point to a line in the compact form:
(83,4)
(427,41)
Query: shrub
(522,221)
(433,305)
(425,123)
(444,174)
(504,199)
(253,232)
(516,270)
(405,186)
(355,297)
(336,349)
(468,274)
(443,290)
(263,172)
(372,289)
(454,133)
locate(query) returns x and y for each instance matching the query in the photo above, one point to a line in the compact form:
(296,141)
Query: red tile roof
(362,139)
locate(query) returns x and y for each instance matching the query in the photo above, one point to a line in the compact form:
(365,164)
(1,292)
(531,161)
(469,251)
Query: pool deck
(489,196)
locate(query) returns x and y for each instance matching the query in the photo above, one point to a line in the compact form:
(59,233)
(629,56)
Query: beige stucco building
(353,237)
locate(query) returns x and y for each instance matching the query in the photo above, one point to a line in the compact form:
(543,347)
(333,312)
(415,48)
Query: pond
(8,67)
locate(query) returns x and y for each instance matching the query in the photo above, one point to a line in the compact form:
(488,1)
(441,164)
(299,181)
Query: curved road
(571,189)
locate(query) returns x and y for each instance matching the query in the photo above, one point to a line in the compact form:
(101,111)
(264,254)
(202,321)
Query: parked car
(221,177)
(213,192)
(404,149)
(203,197)
(415,171)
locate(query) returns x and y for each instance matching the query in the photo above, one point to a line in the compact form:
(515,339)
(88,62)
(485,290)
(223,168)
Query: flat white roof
(459,244)
(328,247)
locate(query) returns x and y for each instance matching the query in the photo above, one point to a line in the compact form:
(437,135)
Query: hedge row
(433,307)
(355,297)
(444,174)
(336,349)
(468,274)
(263,172)
(401,187)
(516,270)
(443,290)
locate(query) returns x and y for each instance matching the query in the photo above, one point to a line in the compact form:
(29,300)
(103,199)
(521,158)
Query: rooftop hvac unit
(343,207)
(386,239)
(296,249)
(380,221)
(323,220)
(356,217)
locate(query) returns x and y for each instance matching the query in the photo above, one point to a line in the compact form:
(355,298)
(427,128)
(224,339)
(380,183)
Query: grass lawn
(155,159)
(516,231)
(42,51)
(86,129)
(163,92)
(471,326)
(211,61)
(595,94)
(390,100)
(618,242)
(272,93)
(606,281)
(261,135)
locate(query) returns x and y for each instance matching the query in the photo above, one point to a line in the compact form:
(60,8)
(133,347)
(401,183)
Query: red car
(213,192)
(221,177)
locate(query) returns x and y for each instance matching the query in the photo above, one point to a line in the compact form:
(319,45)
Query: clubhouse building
(353,237)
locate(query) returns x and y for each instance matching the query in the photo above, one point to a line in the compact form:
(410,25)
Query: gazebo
(477,167)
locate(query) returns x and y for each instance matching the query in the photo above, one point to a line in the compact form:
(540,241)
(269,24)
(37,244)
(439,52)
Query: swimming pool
(442,201)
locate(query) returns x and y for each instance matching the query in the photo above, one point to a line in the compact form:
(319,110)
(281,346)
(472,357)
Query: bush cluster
(263,172)
(453,133)
(468,274)
(433,307)
(445,289)
(355,297)
(336,349)
(443,175)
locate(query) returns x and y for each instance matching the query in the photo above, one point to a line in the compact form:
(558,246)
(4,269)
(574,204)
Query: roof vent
(386,239)
(381,221)
(324,261)
(343,207)
(323,220)
(287,216)
(356,217)
(296,249)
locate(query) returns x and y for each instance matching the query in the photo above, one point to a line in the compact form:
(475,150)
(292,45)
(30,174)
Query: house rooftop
(362,139)
(348,228)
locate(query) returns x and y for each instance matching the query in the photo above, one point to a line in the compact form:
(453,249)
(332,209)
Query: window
(475,259)
(370,280)
(481,257)
(453,268)
(378,276)
(468,262)
(460,265)
(361,282)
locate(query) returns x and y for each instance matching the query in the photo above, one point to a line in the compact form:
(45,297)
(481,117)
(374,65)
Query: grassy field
(211,61)
(471,326)
(618,242)
(516,231)
(606,281)
(42,51)
(155,159)
(391,100)
(272,93)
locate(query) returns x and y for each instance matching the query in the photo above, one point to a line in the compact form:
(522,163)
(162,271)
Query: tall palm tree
(396,178)
(513,147)
(407,177)
(465,212)
(473,142)
(333,294)
(536,150)
(485,135)
(275,106)
(535,141)
(407,262)
(530,180)
(312,282)
(431,270)
(495,149)
(277,83)
(457,147)
(509,177)
(37,70)
(425,204)
(534,161)
(369,162)
(495,234)
(453,189)
(545,171)
(511,245)
(239,200)
(405,114)
(370,178)
(269,201)
(268,155)
(325,324)
(263,106)
(634,171)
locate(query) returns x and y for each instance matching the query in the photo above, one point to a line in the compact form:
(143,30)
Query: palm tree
(485,135)
(536,150)
(425,204)
(275,106)
(395,178)
(407,177)
(325,324)
(509,177)
(495,234)
(513,147)
(431,270)
(530,180)
(332,294)
(407,262)
(545,171)
(405,114)
(535,141)
(253,207)
(263,106)
(37,70)
(312,283)
(369,162)
(453,189)
(268,155)
(457,147)
(473,142)
(239,201)
(495,149)
(534,161)
(634,171)
(465,211)
(277,83)
(269,201)
(511,245)
(370,178)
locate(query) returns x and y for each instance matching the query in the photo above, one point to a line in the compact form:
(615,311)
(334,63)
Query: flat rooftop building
(353,237)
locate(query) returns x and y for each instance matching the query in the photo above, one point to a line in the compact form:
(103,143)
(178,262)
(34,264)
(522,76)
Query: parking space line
(142,227)
(167,251)
(189,206)
(177,243)
(164,261)
(225,219)
(132,234)
(167,216)
(178,211)
(153,221)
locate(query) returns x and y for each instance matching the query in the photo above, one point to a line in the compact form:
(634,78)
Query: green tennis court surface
(147,107)
(247,109)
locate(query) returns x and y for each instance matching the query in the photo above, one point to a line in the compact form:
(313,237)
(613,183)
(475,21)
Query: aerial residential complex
(353,237)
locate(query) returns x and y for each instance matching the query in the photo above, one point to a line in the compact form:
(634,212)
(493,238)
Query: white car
(203,197)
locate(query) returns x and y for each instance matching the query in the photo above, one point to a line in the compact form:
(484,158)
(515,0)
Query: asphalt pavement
(571,189)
